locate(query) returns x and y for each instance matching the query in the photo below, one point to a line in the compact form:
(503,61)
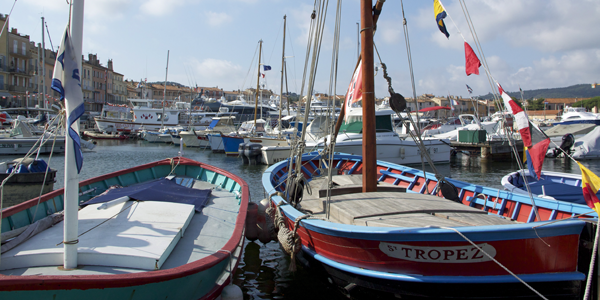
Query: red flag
(472,63)
(354,93)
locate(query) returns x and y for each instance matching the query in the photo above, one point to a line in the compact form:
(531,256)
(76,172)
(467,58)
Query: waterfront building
(18,60)
(119,90)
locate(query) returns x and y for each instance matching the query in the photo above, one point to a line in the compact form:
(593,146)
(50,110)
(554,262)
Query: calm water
(263,272)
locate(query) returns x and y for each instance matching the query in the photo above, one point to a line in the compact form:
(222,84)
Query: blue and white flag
(267,68)
(67,82)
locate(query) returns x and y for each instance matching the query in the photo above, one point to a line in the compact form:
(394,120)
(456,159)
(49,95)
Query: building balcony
(17,71)
(20,54)
(16,88)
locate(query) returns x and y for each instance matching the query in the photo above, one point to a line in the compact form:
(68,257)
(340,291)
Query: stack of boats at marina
(147,114)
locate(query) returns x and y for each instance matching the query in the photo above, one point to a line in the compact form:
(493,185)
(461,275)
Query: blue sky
(532,44)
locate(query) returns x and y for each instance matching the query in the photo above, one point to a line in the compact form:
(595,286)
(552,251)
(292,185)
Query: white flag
(67,82)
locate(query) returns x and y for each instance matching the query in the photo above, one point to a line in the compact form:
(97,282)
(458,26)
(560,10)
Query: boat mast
(44,66)
(257,84)
(162,119)
(71,172)
(369,146)
(338,124)
(281,85)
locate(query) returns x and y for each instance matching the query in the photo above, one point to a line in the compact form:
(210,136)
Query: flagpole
(71,172)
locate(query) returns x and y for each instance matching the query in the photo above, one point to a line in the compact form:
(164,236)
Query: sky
(530,44)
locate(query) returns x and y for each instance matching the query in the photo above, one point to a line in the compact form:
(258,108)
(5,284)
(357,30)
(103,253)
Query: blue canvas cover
(161,189)
(213,123)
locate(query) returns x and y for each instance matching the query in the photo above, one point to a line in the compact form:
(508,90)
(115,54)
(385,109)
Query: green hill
(574,91)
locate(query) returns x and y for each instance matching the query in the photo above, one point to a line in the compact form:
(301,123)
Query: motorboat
(390,146)
(577,115)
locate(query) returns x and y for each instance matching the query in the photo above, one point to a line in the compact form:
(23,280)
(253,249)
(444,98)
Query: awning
(434,108)
(213,123)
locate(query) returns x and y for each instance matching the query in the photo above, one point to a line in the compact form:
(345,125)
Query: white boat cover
(588,146)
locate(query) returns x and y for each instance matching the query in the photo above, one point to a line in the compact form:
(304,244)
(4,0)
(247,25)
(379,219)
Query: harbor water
(263,272)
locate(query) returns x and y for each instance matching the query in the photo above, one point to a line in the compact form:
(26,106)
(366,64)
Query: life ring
(196,107)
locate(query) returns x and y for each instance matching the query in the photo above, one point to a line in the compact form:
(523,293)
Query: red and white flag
(354,93)
(520,116)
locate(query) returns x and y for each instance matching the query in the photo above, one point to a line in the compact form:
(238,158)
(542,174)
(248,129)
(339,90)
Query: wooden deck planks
(394,209)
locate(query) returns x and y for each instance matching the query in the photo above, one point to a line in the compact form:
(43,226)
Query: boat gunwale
(476,233)
(66,282)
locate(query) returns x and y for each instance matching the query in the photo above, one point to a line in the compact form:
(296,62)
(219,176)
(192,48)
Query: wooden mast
(338,123)
(369,146)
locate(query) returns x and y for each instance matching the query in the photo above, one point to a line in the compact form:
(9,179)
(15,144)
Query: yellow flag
(590,184)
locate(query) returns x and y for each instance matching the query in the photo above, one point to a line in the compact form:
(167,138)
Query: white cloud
(160,7)
(213,72)
(390,31)
(216,19)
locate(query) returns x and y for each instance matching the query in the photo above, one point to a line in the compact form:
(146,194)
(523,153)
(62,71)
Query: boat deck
(207,232)
(390,206)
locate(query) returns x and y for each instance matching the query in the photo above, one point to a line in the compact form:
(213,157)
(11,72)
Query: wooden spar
(369,146)
(281,85)
(257,84)
(338,124)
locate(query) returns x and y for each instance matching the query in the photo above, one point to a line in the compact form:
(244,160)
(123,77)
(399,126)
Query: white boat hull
(404,152)
(194,140)
(401,152)
(274,154)
(22,146)
(216,143)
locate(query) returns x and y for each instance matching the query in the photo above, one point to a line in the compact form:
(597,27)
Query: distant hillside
(574,91)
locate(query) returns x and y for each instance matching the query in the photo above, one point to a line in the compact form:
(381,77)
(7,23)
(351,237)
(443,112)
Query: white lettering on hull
(448,255)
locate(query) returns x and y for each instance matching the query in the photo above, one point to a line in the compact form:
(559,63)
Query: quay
(494,150)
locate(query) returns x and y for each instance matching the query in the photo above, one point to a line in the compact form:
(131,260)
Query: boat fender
(251,228)
(232,292)
(264,234)
(449,191)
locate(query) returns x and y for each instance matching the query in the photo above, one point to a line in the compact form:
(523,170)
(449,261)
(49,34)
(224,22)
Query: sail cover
(161,189)
(213,123)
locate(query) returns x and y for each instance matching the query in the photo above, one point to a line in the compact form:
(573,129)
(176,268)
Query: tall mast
(162,119)
(257,84)
(44,66)
(40,74)
(71,172)
(281,85)
(338,124)
(369,146)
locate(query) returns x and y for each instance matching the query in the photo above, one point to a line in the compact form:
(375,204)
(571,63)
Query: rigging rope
(491,258)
